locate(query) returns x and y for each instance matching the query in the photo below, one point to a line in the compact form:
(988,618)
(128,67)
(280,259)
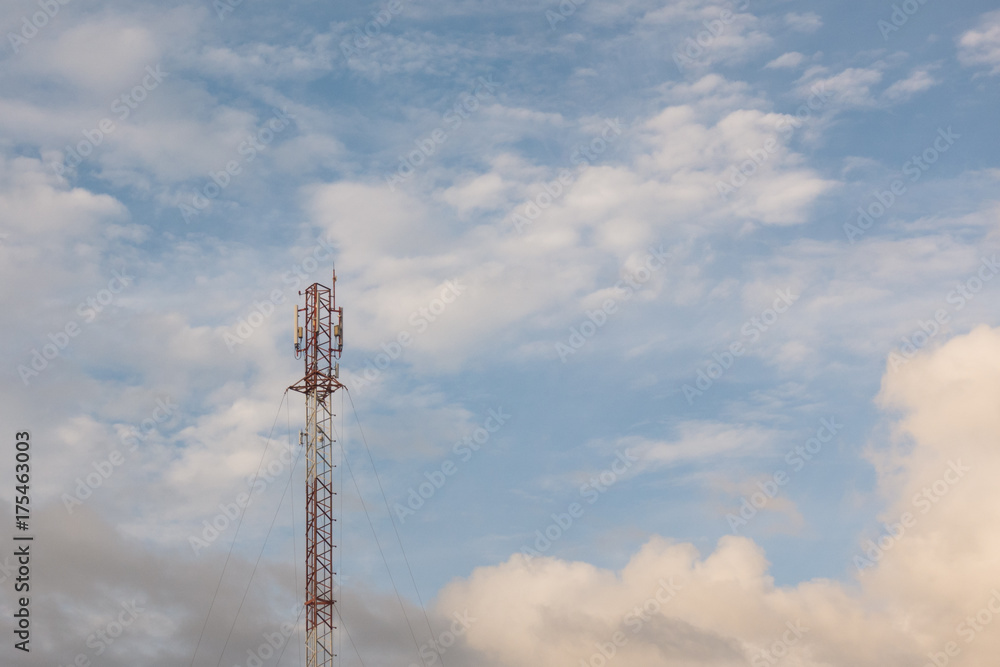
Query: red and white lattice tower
(319,340)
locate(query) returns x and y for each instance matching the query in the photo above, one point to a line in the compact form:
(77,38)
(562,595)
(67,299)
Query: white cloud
(39,204)
(71,231)
(728,609)
(699,440)
(851,87)
(251,61)
(485,191)
(807,22)
(857,87)
(104,55)
(981,45)
(789,60)
(700,36)
(411,52)
(666,173)
(904,89)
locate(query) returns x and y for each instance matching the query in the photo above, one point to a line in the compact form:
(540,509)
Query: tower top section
(319,339)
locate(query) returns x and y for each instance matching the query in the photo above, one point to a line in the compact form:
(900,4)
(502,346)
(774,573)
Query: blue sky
(666,242)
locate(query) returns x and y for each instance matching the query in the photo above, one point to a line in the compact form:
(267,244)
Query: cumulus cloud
(724,608)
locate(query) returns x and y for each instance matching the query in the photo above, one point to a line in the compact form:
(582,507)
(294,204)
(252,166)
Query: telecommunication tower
(319,342)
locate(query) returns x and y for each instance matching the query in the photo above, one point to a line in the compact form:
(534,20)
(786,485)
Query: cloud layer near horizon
(933,565)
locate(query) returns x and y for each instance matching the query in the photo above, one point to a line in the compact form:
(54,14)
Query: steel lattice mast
(320,342)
